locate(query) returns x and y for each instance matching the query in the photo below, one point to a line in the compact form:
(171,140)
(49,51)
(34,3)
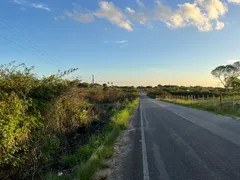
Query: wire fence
(233,100)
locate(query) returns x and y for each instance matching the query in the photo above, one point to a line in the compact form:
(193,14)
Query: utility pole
(93,80)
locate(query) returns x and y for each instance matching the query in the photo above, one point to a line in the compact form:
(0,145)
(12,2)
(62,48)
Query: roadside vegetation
(225,101)
(227,106)
(89,158)
(55,128)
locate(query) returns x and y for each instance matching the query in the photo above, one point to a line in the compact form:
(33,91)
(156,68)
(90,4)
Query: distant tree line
(228,75)
(173,90)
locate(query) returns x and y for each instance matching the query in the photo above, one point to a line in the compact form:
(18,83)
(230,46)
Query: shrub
(84,85)
(70,112)
(16,126)
(17,78)
(37,115)
(25,145)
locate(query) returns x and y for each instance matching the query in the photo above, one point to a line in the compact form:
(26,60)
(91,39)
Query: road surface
(171,142)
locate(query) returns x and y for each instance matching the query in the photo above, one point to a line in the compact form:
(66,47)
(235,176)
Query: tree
(226,74)
(237,65)
(105,87)
(235,84)
(84,85)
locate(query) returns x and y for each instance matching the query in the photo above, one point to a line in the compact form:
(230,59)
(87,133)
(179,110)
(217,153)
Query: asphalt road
(171,142)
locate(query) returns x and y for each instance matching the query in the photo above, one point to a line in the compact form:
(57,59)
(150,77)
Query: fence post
(233,100)
(221,100)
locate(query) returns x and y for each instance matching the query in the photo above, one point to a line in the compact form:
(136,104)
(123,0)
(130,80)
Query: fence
(211,100)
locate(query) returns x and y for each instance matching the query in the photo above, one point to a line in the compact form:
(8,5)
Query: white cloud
(33,5)
(202,14)
(162,12)
(121,42)
(214,8)
(129,10)
(18,1)
(219,25)
(116,42)
(140,3)
(62,17)
(40,6)
(123,45)
(234,1)
(143,14)
(113,14)
(191,15)
(106,11)
(175,21)
(82,17)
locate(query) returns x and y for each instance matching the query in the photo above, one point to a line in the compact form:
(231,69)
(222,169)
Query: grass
(89,158)
(211,105)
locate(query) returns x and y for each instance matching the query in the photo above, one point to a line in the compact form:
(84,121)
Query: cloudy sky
(142,42)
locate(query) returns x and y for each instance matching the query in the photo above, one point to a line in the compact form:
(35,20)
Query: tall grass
(227,107)
(42,119)
(89,158)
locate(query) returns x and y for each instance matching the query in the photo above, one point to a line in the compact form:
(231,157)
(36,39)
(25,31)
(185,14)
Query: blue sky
(127,42)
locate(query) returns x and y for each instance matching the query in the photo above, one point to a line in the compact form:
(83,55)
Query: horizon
(139,43)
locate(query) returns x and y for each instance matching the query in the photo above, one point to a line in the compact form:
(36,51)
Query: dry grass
(227,107)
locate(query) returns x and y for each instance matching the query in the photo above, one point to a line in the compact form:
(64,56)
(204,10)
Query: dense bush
(17,78)
(16,126)
(38,114)
(23,105)
(69,113)
(84,85)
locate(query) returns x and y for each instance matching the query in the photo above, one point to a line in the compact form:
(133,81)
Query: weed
(226,109)
(89,158)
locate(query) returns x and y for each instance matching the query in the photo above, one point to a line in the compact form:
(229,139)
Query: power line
(14,31)
(22,47)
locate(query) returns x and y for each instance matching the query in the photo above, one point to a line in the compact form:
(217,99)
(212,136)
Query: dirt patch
(122,147)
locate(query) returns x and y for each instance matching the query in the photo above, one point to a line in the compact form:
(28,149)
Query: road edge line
(144,149)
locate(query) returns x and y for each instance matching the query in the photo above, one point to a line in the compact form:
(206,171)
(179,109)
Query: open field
(225,105)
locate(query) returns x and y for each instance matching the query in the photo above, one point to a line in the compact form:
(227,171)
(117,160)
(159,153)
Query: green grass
(226,109)
(89,158)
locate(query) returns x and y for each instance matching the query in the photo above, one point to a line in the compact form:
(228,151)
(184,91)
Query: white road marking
(184,117)
(174,112)
(227,135)
(144,150)
(160,163)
